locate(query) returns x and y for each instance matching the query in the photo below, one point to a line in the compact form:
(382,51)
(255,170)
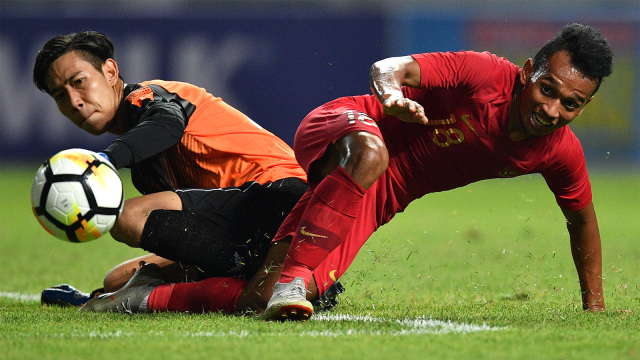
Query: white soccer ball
(77,195)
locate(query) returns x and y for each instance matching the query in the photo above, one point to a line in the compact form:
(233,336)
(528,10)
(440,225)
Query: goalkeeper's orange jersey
(180,136)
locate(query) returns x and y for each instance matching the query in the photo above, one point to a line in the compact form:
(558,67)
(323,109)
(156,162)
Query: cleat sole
(295,313)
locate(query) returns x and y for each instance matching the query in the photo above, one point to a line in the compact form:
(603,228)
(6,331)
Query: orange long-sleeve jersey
(180,136)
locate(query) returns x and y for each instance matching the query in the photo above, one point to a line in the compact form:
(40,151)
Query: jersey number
(445,137)
(362,117)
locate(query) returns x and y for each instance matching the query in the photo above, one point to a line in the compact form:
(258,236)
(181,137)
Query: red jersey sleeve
(479,73)
(566,172)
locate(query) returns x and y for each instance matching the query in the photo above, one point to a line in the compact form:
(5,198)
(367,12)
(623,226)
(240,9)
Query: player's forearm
(586,250)
(589,267)
(163,130)
(385,79)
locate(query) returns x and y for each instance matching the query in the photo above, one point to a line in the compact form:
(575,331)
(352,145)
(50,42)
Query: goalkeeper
(216,186)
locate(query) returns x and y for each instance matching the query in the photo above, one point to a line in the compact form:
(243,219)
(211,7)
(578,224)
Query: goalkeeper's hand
(104,157)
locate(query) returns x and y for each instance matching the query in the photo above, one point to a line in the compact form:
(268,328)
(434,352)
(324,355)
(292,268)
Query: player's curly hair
(589,51)
(93,46)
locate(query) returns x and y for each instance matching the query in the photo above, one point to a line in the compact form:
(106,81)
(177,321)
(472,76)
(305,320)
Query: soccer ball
(77,195)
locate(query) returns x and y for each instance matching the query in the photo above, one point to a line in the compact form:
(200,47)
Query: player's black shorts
(249,215)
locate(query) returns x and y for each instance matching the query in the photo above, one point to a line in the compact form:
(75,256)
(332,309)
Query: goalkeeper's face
(87,96)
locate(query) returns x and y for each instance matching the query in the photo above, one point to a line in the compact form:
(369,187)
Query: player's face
(552,97)
(88,97)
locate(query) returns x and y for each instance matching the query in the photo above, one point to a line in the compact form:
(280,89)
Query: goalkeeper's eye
(57,96)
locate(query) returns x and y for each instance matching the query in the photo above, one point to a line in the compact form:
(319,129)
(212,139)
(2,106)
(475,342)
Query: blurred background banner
(277,60)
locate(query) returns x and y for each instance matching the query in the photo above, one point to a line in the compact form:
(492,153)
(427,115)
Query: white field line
(19,296)
(362,325)
(406,326)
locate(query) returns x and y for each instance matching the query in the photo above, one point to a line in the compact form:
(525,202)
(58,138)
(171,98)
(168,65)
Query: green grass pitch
(482,272)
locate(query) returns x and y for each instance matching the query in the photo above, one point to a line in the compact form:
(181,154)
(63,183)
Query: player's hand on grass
(595,309)
(593,302)
(405,109)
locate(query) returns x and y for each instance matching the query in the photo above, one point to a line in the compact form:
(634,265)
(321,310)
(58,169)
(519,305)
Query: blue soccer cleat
(64,295)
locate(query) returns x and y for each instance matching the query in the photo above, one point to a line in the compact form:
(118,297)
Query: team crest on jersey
(137,96)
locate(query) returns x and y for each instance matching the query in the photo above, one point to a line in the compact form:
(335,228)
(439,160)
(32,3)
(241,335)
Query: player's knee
(364,156)
(128,227)
(374,156)
(109,284)
(115,279)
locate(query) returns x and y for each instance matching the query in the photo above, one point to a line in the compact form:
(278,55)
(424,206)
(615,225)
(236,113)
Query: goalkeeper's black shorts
(248,216)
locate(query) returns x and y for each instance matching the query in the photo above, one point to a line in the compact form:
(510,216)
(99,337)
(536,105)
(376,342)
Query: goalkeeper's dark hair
(589,51)
(93,46)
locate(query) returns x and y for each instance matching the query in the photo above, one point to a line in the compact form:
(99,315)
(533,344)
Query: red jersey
(466,97)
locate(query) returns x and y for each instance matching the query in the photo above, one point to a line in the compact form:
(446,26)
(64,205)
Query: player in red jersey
(436,122)
(216,185)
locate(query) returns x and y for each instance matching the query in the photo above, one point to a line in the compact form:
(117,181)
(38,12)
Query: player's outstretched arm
(386,77)
(587,255)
